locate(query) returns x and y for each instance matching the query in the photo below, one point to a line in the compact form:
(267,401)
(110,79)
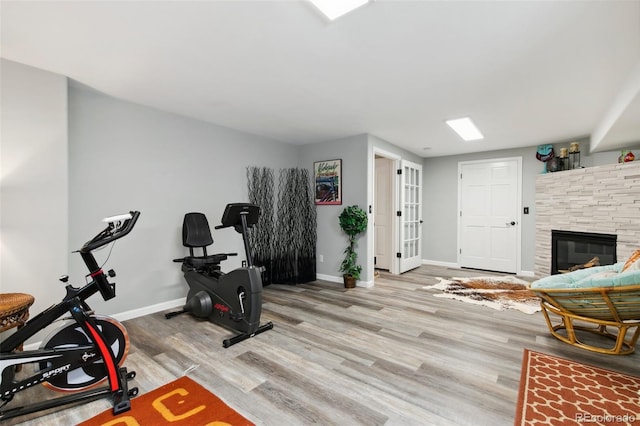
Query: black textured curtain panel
(261,238)
(284,242)
(294,259)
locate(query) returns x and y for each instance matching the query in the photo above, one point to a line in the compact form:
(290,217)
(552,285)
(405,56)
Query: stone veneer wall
(604,199)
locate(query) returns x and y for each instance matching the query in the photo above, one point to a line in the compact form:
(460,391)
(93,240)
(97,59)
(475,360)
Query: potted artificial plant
(353,221)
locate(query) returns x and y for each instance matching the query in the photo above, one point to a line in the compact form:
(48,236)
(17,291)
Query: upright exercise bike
(83,351)
(232,300)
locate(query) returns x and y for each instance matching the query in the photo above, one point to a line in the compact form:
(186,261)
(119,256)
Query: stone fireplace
(598,200)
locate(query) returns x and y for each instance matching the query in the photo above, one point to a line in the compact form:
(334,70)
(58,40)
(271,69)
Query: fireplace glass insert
(570,248)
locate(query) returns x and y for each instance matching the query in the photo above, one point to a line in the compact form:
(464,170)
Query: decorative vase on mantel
(626,157)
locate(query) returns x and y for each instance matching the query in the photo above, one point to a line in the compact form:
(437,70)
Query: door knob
(512,223)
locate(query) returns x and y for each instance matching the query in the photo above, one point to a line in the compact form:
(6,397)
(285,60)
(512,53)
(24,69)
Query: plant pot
(349,281)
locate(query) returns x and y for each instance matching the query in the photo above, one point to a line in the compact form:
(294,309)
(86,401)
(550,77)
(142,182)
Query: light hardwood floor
(389,355)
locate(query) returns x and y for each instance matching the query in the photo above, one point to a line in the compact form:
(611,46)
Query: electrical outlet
(321,258)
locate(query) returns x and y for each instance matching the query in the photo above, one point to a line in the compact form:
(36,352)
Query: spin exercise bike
(234,299)
(83,351)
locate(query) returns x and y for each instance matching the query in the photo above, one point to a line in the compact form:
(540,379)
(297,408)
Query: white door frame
(519,206)
(383,226)
(395,262)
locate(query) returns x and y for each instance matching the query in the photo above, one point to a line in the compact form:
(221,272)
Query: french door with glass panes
(410,216)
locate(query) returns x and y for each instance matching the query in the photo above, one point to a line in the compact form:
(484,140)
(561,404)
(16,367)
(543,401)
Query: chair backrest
(196,231)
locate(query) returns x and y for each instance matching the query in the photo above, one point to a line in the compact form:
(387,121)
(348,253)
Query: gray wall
(124,156)
(33,183)
(59,180)
(356,153)
(331,240)
(440,202)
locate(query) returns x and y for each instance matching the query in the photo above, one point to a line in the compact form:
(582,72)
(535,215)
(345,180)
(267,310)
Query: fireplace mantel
(603,199)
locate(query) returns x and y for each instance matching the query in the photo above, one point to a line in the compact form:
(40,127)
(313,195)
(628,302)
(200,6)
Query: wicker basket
(14,310)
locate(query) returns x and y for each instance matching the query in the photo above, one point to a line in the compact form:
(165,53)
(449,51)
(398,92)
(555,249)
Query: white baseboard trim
(146,310)
(334,279)
(364,284)
(127,315)
(456,266)
(439,263)
(331,278)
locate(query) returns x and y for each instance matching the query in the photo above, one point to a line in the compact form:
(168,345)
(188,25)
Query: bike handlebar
(118,227)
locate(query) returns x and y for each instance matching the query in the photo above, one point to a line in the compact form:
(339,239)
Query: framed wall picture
(328,180)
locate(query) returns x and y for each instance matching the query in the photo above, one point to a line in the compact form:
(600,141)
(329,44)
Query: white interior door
(410,216)
(489,210)
(383,208)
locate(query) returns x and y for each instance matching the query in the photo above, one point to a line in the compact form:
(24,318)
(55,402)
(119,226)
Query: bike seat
(198,262)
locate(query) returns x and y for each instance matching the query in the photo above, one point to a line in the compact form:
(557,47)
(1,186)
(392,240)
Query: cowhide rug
(495,292)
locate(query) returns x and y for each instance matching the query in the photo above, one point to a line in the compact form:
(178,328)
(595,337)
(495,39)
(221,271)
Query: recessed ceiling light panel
(334,9)
(465,128)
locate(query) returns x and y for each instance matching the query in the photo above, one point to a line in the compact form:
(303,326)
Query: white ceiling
(527,72)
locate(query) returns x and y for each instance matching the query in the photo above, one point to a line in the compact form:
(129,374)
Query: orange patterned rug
(557,391)
(181,403)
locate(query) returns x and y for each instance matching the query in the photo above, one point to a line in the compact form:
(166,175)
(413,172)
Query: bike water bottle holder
(107,289)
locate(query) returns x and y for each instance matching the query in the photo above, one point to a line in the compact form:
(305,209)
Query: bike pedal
(130,375)
(133,392)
